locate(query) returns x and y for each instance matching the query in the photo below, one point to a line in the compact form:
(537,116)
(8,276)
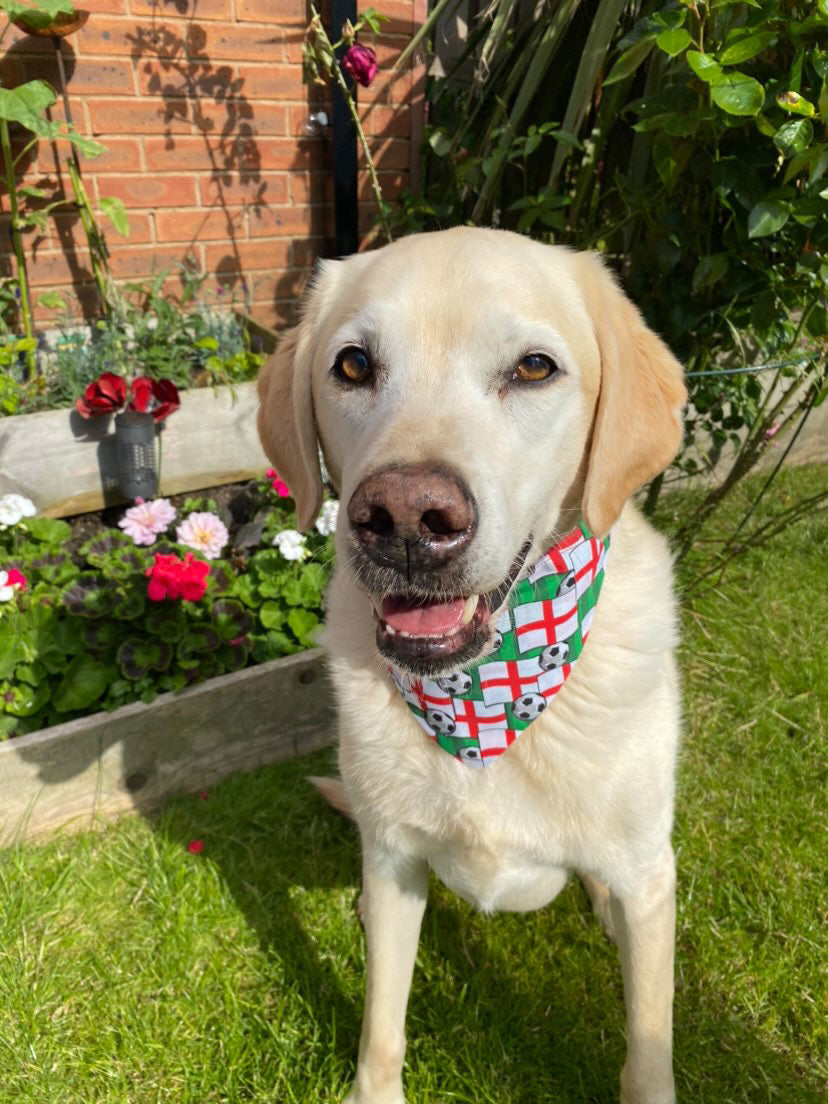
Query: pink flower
(360,62)
(145,520)
(281,488)
(270,473)
(195,847)
(772,431)
(10,582)
(204,532)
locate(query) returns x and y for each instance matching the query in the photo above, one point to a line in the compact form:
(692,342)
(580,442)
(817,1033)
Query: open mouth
(428,635)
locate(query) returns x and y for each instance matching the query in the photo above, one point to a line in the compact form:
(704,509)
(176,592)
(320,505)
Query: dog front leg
(644,922)
(394,895)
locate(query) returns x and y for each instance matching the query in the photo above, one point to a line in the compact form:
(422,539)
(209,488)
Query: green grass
(134,971)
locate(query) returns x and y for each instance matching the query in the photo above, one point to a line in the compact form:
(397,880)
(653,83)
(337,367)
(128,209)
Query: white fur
(588,787)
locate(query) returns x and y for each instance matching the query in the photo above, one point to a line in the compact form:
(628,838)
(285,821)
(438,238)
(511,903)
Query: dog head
(475,395)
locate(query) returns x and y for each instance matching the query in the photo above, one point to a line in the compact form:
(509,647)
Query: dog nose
(417,515)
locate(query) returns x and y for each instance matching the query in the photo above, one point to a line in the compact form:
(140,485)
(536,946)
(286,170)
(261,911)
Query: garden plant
(170,597)
(687,143)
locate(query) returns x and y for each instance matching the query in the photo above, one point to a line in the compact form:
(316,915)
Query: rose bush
(117,620)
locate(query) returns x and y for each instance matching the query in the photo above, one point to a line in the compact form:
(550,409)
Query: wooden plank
(71,775)
(66,465)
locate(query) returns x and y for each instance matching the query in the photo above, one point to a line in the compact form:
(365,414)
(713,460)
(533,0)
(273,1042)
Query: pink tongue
(432,619)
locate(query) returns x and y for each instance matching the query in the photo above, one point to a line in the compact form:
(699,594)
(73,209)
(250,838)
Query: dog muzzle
(477,712)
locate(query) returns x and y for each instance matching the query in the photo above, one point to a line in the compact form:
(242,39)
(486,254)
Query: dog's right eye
(352,366)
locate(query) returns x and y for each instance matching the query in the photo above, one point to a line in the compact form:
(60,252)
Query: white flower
(291,544)
(13,507)
(205,532)
(326,522)
(6,591)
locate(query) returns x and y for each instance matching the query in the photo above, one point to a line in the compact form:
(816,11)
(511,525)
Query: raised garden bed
(66,465)
(72,775)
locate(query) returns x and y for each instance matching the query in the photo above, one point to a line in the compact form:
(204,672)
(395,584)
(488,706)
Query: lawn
(132,970)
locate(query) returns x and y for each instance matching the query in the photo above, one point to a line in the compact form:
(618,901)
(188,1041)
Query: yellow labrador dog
(486,405)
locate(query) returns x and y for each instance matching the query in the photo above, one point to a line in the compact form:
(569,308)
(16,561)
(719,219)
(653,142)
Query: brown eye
(534,368)
(352,366)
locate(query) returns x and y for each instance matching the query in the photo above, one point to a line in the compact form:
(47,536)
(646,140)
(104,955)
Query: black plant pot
(135,452)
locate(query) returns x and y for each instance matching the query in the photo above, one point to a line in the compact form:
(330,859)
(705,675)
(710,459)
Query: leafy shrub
(688,147)
(147,332)
(83,635)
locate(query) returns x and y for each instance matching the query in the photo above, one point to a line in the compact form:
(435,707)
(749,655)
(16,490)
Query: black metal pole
(346,212)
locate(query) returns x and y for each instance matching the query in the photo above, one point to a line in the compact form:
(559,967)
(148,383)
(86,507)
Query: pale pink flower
(204,532)
(144,521)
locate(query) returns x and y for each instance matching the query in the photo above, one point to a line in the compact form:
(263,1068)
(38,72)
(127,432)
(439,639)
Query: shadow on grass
(504,1010)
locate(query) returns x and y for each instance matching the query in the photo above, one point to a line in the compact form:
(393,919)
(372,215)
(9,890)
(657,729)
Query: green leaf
(743,43)
(304,625)
(738,94)
(794,137)
(796,104)
(272,615)
(84,682)
(115,211)
(767,217)
(52,300)
(673,42)
(709,270)
(26,104)
(87,146)
(50,531)
(630,60)
(38,15)
(704,66)
(439,142)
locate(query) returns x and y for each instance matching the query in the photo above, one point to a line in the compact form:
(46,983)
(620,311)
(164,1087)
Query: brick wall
(202,108)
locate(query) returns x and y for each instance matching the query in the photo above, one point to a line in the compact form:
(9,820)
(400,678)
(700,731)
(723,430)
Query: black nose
(417,515)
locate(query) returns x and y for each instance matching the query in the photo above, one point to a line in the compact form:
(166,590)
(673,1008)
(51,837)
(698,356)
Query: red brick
(231,42)
(132,263)
(276,222)
(213,84)
(282,285)
(67,231)
(273,82)
(392,154)
(137,117)
(387,122)
(390,183)
(205,224)
(105,7)
(244,189)
(107,36)
(150,191)
(54,268)
(87,76)
(271,11)
(253,256)
(188,9)
(311,188)
(239,153)
(119,155)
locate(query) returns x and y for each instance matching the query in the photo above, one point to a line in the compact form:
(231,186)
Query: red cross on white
(472,716)
(549,622)
(506,681)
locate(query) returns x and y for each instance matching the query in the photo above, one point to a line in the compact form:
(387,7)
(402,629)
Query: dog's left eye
(534,368)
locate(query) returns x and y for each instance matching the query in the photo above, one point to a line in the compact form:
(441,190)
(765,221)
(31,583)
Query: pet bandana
(476,713)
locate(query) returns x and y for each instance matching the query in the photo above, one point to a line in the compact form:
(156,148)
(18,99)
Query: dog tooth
(469,608)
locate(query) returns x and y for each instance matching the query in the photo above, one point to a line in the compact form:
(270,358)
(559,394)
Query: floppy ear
(286,423)
(638,427)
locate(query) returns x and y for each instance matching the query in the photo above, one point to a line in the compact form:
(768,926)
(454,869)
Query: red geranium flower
(360,62)
(171,577)
(106,394)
